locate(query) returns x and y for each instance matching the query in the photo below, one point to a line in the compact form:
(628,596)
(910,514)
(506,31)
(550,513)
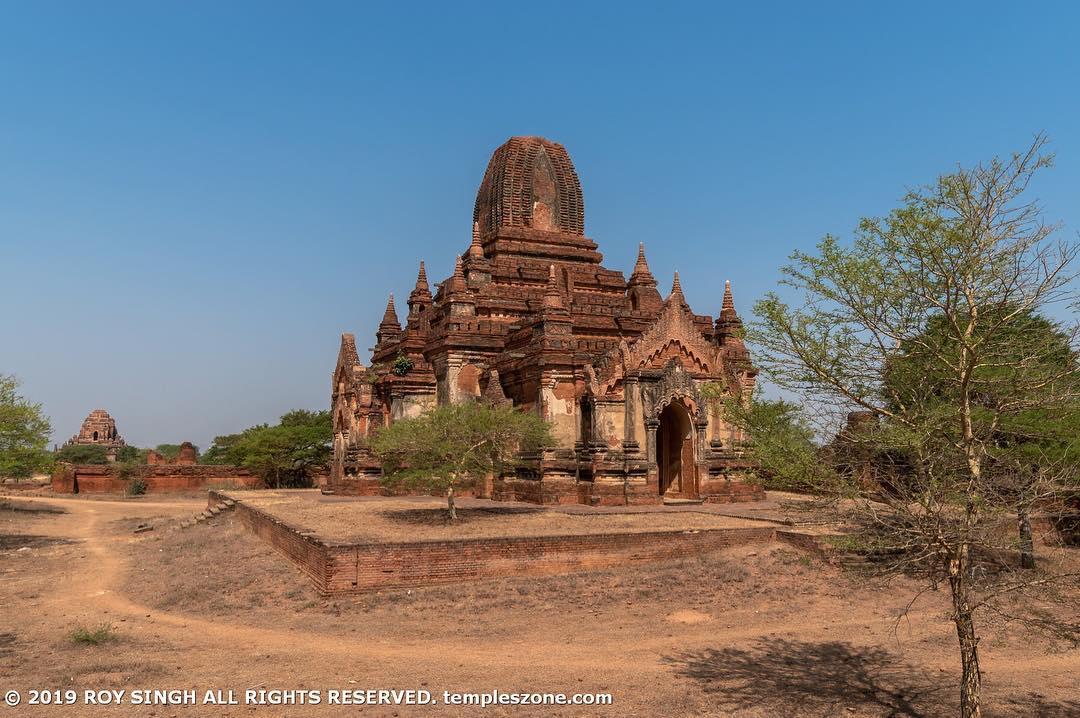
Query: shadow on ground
(804,679)
(10,542)
(29,507)
(440,516)
(1034,705)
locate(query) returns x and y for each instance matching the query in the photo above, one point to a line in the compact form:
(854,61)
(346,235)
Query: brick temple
(99,428)
(530,316)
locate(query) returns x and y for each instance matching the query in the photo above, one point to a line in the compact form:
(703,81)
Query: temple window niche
(545,208)
(586,408)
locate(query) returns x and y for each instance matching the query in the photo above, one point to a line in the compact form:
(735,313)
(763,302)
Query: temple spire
(457,281)
(552,295)
(728,324)
(389,327)
(420,297)
(641,274)
(476,249)
(421,278)
(676,290)
(390,318)
(727,308)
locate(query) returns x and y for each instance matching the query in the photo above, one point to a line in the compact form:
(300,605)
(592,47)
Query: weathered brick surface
(532,317)
(337,567)
(96,478)
(308,553)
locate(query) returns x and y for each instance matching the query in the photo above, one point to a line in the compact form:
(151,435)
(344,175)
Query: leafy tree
(168,451)
(283,455)
(782,445)
(219,451)
(970,254)
(131,455)
(455,444)
(24,433)
(83,454)
(1017,363)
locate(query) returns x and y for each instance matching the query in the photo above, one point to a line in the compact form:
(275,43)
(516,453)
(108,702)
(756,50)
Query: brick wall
(310,555)
(341,567)
(103,478)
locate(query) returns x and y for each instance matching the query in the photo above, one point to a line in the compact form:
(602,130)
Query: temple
(632,383)
(99,428)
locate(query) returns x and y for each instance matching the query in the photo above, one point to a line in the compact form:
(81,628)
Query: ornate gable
(672,337)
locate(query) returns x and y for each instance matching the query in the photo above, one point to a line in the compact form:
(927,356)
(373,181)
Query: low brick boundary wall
(337,567)
(159,478)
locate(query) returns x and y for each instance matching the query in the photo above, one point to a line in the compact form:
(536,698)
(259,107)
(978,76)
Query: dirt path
(607,651)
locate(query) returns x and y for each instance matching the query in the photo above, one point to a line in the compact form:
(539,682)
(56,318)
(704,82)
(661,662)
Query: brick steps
(676,501)
(215,510)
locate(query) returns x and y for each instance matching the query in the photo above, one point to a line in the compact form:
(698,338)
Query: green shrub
(402,365)
(137,486)
(93,636)
(83,454)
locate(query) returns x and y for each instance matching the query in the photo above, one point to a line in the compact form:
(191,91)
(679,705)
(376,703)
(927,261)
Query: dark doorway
(675,451)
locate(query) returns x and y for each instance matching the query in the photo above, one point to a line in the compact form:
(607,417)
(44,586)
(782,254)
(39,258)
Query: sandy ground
(419,518)
(752,631)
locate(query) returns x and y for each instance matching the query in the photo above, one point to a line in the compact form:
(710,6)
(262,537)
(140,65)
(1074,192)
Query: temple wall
(457,379)
(410,406)
(561,411)
(637,410)
(100,478)
(610,423)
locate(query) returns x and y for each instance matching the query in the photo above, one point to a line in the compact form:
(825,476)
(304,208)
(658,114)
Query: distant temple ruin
(530,316)
(99,428)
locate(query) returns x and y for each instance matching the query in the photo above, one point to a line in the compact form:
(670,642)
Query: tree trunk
(971,681)
(1027,545)
(450,502)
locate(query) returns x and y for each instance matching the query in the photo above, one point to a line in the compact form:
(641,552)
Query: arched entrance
(675,451)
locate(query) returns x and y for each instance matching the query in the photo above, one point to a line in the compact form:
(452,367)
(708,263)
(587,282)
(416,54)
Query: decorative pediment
(672,337)
(675,384)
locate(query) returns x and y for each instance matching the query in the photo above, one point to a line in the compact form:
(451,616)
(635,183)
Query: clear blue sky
(197,198)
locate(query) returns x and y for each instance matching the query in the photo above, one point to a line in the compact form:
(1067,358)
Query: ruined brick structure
(99,428)
(187,456)
(531,316)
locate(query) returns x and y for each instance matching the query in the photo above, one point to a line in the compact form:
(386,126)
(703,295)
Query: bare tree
(920,321)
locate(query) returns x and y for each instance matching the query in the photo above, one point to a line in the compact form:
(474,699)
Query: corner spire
(676,290)
(641,275)
(390,318)
(476,249)
(728,305)
(552,295)
(420,297)
(457,281)
(728,324)
(421,277)
(389,327)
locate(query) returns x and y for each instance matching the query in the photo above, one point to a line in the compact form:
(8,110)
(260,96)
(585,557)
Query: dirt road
(749,632)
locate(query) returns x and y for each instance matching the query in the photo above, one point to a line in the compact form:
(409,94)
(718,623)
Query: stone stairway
(215,510)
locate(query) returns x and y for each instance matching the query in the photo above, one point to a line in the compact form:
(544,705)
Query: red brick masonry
(339,567)
(104,478)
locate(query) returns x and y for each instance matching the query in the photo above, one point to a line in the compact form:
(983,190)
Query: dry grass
(219,568)
(753,631)
(419,519)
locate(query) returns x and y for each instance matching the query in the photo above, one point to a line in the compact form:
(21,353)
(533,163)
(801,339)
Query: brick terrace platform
(336,540)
